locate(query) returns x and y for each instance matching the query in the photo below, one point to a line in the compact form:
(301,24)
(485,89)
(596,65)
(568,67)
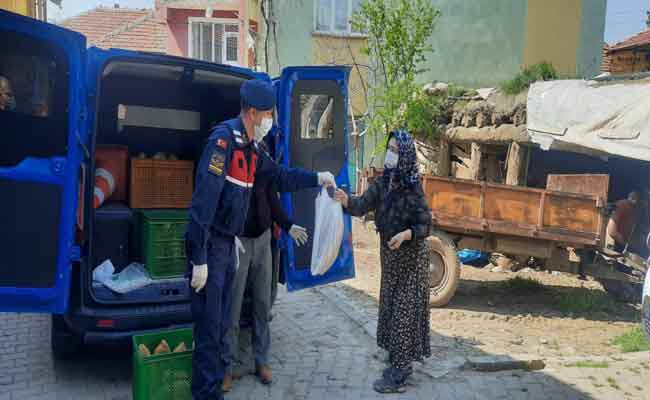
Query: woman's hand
(397,240)
(341,197)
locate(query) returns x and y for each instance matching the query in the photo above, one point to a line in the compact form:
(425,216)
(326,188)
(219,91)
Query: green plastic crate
(163,376)
(162,234)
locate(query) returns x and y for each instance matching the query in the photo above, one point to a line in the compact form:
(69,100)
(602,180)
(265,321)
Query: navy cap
(258,94)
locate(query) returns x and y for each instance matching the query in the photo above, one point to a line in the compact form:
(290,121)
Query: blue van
(68,101)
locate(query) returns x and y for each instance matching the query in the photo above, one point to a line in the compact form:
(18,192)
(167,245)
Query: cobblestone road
(322,349)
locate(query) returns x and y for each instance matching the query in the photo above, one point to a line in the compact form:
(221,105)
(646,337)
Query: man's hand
(341,197)
(299,234)
(199,277)
(326,179)
(397,240)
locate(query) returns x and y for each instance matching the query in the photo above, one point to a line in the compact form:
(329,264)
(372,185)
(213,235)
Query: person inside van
(623,222)
(7,99)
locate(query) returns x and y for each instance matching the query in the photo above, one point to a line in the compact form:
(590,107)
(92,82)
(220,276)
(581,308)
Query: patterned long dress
(403,326)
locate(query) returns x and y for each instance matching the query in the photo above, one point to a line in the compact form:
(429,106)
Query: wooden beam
(516,165)
(444,161)
(476,164)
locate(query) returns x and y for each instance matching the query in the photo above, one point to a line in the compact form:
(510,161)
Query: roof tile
(124,28)
(638,40)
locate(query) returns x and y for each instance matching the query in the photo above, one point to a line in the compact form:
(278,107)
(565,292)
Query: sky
(624,17)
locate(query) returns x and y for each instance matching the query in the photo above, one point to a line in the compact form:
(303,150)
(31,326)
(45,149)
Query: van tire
(63,342)
(444,269)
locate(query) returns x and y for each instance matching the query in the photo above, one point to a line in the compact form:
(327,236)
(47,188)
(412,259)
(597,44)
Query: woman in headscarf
(403,221)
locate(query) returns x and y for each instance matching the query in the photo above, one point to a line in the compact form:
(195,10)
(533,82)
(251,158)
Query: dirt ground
(564,317)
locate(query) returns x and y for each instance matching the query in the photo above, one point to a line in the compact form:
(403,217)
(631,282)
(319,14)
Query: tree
(398,33)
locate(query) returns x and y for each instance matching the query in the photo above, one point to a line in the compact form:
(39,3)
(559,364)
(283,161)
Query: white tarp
(591,117)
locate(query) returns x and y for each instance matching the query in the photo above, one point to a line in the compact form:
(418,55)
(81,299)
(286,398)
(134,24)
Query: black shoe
(393,381)
(405,372)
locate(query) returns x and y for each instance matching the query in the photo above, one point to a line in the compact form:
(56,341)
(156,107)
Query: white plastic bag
(328,233)
(133,277)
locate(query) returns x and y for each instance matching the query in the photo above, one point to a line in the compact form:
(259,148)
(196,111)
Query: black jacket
(264,209)
(395,211)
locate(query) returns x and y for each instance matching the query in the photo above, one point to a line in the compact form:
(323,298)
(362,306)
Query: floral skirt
(403,326)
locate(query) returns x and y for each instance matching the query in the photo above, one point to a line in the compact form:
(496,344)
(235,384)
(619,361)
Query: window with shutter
(214,40)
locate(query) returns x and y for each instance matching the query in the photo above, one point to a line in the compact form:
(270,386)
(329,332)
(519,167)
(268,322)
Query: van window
(316,116)
(33,98)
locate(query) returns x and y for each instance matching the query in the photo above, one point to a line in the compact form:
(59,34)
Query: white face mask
(391,159)
(263,128)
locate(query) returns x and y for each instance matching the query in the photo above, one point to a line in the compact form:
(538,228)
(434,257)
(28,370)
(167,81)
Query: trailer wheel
(444,269)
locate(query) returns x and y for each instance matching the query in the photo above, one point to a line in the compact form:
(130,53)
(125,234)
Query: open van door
(312,115)
(41,148)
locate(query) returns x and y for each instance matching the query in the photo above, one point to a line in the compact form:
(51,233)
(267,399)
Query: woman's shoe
(392,381)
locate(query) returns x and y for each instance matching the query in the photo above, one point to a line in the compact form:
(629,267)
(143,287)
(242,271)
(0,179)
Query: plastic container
(161,183)
(115,159)
(163,376)
(162,234)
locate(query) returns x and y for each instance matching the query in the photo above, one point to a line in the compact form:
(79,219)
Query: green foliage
(398,32)
(632,341)
(534,73)
(424,113)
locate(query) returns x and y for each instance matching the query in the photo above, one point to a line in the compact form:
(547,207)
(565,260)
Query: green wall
(296,22)
(592,37)
(477,42)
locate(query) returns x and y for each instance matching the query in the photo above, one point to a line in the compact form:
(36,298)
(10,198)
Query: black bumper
(116,325)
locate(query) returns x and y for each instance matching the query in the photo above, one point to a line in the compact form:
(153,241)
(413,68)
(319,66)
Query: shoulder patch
(217,160)
(222,143)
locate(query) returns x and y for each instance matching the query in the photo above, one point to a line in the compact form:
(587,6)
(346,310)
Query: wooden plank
(517,207)
(444,159)
(476,163)
(454,198)
(580,215)
(594,184)
(474,226)
(516,164)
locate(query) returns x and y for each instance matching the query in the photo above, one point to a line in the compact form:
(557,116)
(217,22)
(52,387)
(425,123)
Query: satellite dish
(208,12)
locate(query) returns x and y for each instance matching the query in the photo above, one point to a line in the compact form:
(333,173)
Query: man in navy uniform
(224,182)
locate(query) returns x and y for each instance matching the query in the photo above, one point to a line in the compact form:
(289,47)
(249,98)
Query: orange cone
(104,186)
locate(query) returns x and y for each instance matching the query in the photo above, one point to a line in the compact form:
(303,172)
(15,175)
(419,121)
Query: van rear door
(41,149)
(312,116)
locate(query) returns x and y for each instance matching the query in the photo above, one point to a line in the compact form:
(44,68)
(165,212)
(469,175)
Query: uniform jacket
(224,183)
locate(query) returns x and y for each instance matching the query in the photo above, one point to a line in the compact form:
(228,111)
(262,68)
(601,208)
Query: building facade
(218,31)
(477,43)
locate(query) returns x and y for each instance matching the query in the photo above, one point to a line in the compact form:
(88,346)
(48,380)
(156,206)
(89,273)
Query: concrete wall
(592,37)
(23,7)
(553,29)
(477,42)
(294,30)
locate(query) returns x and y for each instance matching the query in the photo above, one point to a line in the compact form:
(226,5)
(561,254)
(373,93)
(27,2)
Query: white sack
(328,233)
(591,117)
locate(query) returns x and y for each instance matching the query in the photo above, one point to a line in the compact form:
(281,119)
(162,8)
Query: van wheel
(63,342)
(444,269)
